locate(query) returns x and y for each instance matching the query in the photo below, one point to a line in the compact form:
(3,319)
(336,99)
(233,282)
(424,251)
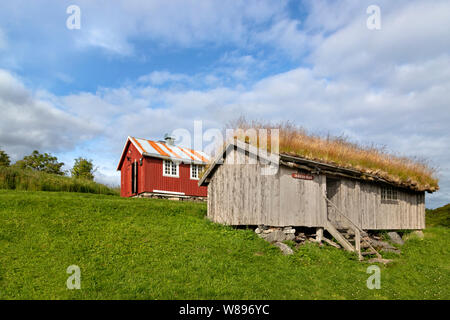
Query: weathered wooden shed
(307,193)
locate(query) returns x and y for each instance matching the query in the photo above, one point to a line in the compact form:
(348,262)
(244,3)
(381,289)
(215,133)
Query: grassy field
(439,216)
(160,249)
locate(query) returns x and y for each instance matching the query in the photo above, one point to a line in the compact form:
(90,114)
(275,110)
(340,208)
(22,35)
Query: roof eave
(131,140)
(154,155)
(355,174)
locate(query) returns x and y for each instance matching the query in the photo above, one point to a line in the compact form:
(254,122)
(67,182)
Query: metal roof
(162,150)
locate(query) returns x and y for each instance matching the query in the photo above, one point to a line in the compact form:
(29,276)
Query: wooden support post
(319,235)
(358,244)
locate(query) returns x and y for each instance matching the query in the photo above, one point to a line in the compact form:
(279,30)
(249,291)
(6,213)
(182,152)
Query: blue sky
(145,68)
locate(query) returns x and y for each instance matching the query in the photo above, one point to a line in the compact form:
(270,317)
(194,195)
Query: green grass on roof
(293,140)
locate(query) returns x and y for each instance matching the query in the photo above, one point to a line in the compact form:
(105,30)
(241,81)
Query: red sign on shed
(303,176)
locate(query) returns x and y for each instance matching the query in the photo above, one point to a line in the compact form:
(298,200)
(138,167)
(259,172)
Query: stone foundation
(275,234)
(174,197)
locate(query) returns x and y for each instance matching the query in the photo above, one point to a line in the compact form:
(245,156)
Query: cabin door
(134,177)
(332,193)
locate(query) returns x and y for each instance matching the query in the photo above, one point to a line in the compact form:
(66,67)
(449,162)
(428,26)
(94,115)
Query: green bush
(83,168)
(31,180)
(4,159)
(41,162)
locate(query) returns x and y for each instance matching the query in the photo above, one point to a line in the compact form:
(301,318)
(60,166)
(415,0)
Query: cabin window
(388,194)
(195,171)
(170,169)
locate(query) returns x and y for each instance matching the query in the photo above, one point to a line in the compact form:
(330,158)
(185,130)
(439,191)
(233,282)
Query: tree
(41,162)
(4,159)
(83,168)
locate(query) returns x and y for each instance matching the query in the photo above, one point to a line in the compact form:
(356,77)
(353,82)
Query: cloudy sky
(145,68)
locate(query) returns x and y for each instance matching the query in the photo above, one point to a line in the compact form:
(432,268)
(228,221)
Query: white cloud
(105,39)
(175,23)
(285,34)
(234,58)
(162,77)
(28,122)
(411,33)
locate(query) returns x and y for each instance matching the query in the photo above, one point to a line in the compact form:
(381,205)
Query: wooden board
(361,202)
(241,195)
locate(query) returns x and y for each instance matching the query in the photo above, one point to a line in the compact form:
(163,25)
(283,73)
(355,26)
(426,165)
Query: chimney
(170,140)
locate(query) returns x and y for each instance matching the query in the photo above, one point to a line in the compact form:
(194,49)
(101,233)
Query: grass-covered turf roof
(406,172)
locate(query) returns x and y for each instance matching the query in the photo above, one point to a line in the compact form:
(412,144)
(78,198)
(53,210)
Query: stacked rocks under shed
(276,236)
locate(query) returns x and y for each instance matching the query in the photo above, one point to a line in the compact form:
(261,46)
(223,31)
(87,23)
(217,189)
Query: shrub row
(18,179)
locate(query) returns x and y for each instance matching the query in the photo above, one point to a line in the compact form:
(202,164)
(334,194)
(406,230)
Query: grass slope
(439,216)
(160,249)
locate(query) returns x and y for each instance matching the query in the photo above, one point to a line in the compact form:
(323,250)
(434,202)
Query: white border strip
(169,192)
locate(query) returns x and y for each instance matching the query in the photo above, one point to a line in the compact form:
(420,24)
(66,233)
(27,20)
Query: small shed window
(170,168)
(388,194)
(195,171)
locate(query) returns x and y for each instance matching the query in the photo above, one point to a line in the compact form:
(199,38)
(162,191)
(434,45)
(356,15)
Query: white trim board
(169,192)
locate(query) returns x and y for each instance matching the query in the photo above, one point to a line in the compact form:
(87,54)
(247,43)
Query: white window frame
(198,171)
(169,169)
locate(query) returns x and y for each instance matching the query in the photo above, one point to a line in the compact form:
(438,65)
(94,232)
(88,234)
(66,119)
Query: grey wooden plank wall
(361,202)
(238,194)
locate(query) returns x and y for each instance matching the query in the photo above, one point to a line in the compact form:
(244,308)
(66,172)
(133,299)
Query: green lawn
(160,249)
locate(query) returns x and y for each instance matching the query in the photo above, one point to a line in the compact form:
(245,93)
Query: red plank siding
(154,179)
(125,171)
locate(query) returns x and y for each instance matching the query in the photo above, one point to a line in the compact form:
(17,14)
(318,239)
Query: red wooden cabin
(160,169)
